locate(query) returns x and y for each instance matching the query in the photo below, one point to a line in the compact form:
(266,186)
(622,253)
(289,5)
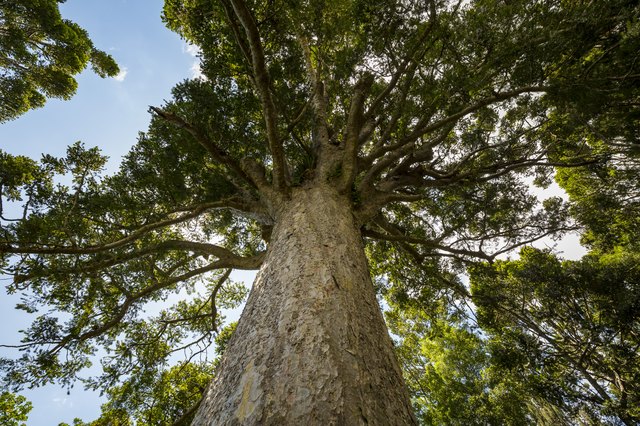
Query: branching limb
(396,114)
(237,32)
(116,315)
(377,197)
(435,248)
(223,255)
(199,249)
(263,85)
(407,60)
(216,152)
(293,123)
(392,157)
(442,245)
(424,126)
(531,324)
(355,121)
(214,294)
(133,236)
(320,133)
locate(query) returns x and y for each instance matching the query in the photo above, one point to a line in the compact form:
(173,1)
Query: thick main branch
(263,85)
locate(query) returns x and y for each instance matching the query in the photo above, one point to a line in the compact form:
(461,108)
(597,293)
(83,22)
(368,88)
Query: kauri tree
(329,141)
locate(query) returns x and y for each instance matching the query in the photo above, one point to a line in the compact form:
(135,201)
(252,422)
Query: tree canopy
(40,53)
(434,118)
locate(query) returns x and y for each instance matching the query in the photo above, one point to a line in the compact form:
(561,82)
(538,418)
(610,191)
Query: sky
(107,113)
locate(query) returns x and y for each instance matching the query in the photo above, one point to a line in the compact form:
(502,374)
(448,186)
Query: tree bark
(311,346)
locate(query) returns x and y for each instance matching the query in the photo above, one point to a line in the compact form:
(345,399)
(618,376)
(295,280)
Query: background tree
(571,328)
(447,367)
(413,125)
(568,329)
(14,409)
(40,52)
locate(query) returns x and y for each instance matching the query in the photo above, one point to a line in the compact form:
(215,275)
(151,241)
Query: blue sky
(107,113)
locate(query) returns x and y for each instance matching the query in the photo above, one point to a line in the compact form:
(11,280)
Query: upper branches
(216,152)
(263,85)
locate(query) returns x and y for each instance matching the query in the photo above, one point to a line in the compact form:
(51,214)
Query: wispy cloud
(62,402)
(196,71)
(122,74)
(194,51)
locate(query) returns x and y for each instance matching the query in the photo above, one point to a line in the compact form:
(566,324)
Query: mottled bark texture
(311,347)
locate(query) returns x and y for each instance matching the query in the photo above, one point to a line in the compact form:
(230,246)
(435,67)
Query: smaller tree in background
(14,409)
(447,369)
(568,330)
(40,52)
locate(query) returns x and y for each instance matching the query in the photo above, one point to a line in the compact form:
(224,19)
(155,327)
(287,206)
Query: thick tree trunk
(311,347)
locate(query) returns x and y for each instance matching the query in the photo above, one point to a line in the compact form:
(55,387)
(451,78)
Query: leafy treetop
(40,52)
(13,409)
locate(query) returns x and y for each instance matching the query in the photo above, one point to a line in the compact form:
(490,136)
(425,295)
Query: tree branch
(216,152)
(242,43)
(408,59)
(135,235)
(263,85)
(128,303)
(423,126)
(355,122)
(427,244)
(388,160)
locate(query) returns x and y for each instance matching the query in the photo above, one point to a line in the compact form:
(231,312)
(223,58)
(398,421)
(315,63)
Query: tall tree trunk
(311,347)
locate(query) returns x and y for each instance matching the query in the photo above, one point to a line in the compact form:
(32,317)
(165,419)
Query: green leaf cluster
(40,53)
(14,409)
(447,367)
(567,329)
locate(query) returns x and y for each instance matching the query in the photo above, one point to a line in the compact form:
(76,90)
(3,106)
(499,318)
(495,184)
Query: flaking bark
(311,346)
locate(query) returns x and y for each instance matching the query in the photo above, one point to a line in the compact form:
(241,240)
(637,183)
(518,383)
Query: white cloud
(196,71)
(62,402)
(194,51)
(191,49)
(122,74)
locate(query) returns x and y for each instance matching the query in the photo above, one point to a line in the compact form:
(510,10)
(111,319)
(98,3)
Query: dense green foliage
(448,370)
(548,342)
(434,117)
(40,52)
(14,409)
(568,330)
(554,342)
(168,397)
